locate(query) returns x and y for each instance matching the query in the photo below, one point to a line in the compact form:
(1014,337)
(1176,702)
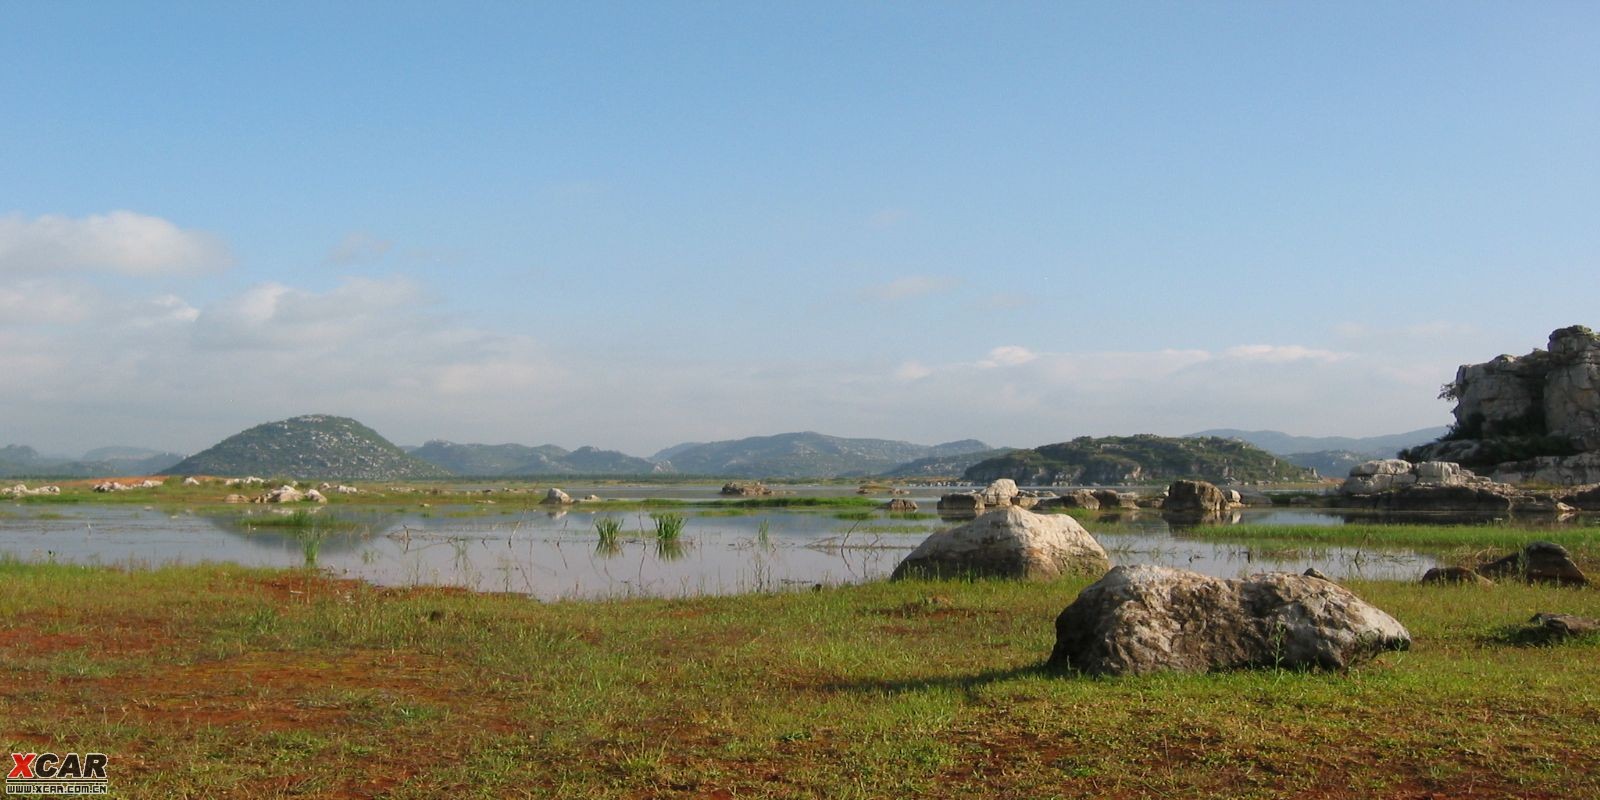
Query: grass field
(218,681)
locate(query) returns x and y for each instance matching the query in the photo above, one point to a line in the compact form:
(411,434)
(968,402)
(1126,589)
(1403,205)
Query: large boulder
(1008,542)
(962,502)
(556,497)
(1194,497)
(1539,562)
(1078,498)
(900,505)
(1144,619)
(1111,498)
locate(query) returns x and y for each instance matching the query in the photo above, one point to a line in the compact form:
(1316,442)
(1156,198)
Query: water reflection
(565,554)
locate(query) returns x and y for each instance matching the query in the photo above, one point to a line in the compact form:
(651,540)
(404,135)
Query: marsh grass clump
(669,526)
(609,530)
(854,516)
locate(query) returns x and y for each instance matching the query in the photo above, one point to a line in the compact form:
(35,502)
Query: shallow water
(554,555)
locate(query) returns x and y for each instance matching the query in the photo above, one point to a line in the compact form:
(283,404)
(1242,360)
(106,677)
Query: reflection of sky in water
(554,555)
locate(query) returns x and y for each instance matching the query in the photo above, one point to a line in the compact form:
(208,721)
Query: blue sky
(635,224)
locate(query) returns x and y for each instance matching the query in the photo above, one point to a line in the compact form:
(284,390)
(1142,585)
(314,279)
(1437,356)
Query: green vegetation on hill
(806,455)
(944,465)
(1115,460)
(312,446)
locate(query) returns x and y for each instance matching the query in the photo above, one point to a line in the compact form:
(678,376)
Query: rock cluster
(1528,418)
(1398,485)
(746,489)
(1009,542)
(1538,562)
(1144,619)
(115,486)
(1000,493)
(22,490)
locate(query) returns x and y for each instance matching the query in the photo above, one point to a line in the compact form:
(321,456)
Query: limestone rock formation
(1528,418)
(1111,498)
(1008,542)
(1194,497)
(998,494)
(1398,485)
(1144,619)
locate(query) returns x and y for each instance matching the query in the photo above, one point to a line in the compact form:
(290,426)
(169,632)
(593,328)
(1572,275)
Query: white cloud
(911,371)
(359,247)
(1279,354)
(35,301)
(910,286)
(1008,356)
(121,241)
(185,373)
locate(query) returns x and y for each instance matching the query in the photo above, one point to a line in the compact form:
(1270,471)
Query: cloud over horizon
(381,350)
(122,242)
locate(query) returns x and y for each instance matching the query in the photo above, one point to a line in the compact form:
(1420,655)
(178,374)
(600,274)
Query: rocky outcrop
(1555,627)
(1197,498)
(1528,418)
(900,505)
(1539,562)
(1144,619)
(1398,485)
(115,486)
(1111,498)
(1010,542)
(998,494)
(745,489)
(22,490)
(282,494)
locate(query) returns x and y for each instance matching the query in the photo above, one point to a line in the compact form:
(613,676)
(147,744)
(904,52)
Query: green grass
(1581,540)
(220,681)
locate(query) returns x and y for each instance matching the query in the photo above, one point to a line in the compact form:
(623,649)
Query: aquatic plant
(669,526)
(609,529)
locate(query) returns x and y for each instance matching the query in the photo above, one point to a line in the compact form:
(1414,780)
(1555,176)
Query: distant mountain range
(1330,456)
(24,461)
(504,460)
(323,446)
(1120,460)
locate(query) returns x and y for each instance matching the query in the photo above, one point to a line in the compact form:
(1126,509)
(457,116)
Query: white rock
(1008,542)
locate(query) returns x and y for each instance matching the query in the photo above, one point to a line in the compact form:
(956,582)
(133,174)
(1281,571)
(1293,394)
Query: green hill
(806,455)
(312,446)
(1117,460)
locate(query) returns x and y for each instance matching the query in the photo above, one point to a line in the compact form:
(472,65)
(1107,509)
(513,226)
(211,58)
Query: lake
(555,554)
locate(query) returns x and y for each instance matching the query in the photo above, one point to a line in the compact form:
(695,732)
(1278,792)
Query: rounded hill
(311,446)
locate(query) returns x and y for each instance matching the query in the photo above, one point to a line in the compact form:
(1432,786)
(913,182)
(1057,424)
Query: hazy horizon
(633,226)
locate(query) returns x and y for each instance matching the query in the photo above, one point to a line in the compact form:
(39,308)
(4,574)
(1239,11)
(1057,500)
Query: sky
(630,225)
